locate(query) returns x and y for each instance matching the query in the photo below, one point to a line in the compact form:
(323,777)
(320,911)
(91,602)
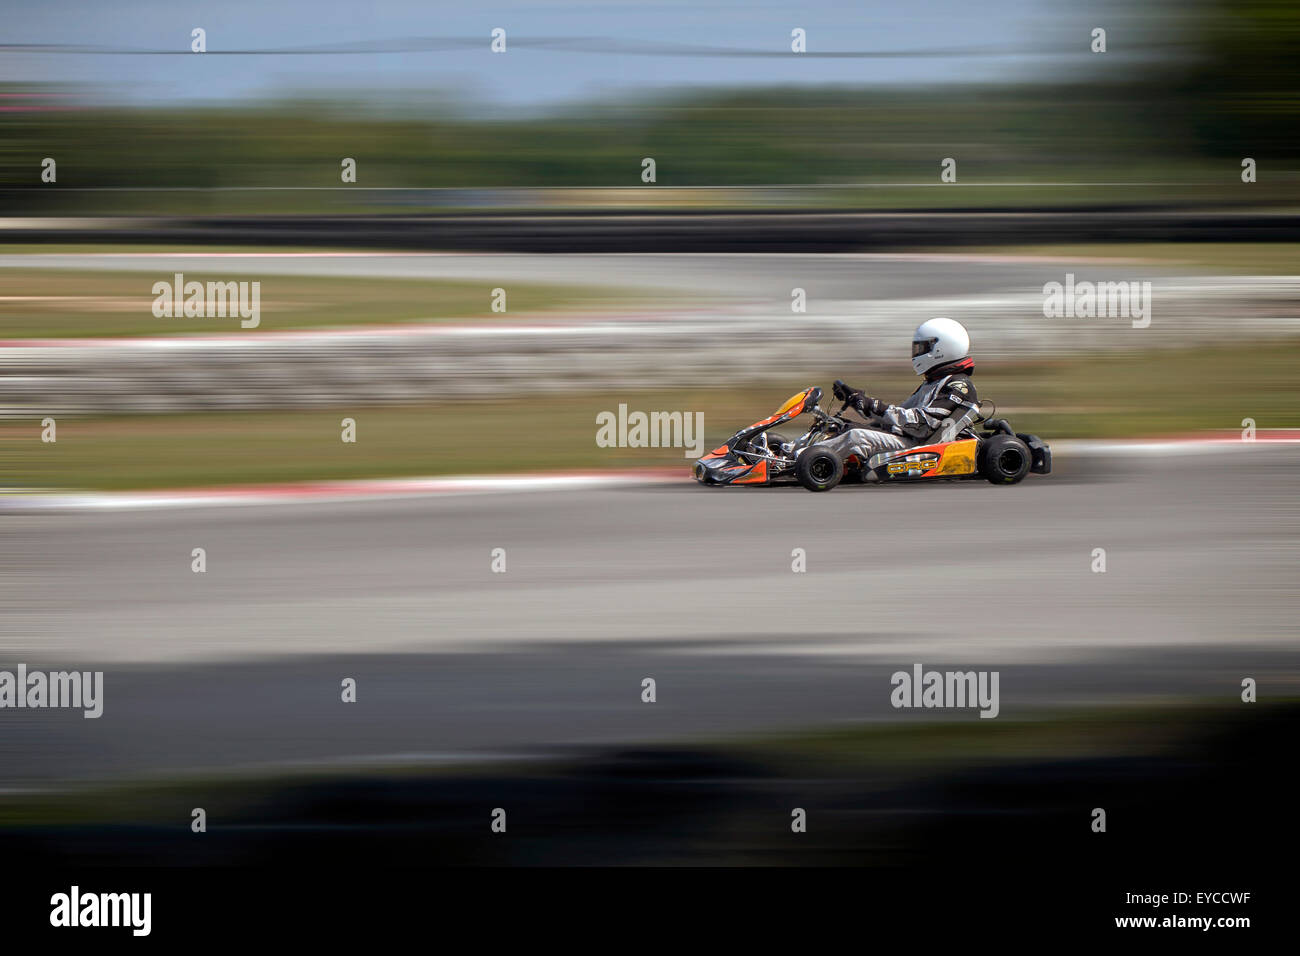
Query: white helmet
(938,342)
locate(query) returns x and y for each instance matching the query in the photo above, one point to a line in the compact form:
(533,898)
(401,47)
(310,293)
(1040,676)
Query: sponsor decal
(901,467)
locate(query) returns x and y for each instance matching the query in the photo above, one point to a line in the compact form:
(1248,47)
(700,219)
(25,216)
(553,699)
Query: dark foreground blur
(1202,793)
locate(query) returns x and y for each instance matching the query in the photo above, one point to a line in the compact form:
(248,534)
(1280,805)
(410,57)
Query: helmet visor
(921,346)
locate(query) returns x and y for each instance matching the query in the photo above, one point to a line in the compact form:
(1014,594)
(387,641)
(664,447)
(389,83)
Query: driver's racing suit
(947,394)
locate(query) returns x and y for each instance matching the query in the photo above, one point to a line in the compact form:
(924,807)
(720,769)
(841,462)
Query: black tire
(819,470)
(1005,459)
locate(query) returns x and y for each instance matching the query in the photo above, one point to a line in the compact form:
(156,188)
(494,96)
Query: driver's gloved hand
(857,399)
(866,405)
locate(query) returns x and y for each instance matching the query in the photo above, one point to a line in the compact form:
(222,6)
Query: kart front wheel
(1005,459)
(819,470)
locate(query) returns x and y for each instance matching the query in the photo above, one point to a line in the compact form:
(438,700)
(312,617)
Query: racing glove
(867,405)
(857,399)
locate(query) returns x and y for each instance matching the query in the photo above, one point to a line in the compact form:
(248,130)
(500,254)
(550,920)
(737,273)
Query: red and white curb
(28,500)
(1178,445)
(18,501)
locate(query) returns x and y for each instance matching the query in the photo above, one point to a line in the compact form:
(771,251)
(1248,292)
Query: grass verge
(1112,396)
(51,303)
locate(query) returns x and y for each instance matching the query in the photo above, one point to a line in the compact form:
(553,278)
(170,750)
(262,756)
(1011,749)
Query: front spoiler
(730,470)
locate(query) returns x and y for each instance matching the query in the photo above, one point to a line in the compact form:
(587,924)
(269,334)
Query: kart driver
(936,411)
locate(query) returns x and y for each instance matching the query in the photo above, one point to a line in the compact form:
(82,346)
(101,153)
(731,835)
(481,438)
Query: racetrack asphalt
(758,276)
(241,666)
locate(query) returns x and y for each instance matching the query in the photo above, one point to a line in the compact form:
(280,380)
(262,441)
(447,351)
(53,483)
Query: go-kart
(957,451)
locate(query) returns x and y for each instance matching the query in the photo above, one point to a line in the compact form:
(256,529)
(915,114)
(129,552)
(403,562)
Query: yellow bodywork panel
(958,458)
(791,402)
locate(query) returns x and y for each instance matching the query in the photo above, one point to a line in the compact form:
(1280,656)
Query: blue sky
(1040,33)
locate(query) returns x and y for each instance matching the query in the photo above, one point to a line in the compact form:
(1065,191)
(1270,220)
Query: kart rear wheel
(819,470)
(1005,459)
